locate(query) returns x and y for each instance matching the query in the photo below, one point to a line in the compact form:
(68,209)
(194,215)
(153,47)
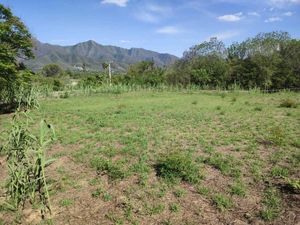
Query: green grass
(168,153)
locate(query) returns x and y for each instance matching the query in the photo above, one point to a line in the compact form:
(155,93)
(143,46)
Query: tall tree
(15,43)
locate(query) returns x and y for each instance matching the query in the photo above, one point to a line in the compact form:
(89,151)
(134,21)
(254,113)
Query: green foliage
(294,183)
(225,163)
(288,103)
(52,70)
(15,42)
(27,162)
(277,135)
(114,170)
(271,202)
(222,202)
(238,188)
(145,73)
(279,172)
(178,165)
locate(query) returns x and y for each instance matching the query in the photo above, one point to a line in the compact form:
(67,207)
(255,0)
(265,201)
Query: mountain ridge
(93,54)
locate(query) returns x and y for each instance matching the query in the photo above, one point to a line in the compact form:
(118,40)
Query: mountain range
(92,55)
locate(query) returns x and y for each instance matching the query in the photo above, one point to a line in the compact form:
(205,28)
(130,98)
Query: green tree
(15,44)
(52,70)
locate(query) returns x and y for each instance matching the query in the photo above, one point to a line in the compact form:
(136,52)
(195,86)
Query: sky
(166,26)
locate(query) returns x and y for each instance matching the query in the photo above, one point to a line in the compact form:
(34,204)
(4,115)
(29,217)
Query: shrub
(288,103)
(178,165)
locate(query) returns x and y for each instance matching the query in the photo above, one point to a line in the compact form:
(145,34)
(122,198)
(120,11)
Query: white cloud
(273,19)
(288,14)
(226,35)
(253,14)
(147,17)
(231,17)
(121,3)
(282,3)
(153,13)
(168,30)
(124,41)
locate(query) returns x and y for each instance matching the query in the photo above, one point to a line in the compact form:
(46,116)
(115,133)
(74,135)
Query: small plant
(179,193)
(27,162)
(203,190)
(178,166)
(194,102)
(113,170)
(97,193)
(271,202)
(174,207)
(66,202)
(226,164)
(156,209)
(294,184)
(65,95)
(277,135)
(233,99)
(107,197)
(218,107)
(258,108)
(288,103)
(279,172)
(238,188)
(222,202)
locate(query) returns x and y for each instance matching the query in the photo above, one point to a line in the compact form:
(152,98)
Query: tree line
(266,61)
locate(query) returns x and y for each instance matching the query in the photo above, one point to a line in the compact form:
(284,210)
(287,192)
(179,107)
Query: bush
(288,103)
(178,165)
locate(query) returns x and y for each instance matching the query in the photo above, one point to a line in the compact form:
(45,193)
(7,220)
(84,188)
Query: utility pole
(109,73)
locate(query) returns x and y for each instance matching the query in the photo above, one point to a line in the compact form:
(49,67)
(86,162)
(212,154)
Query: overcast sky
(167,26)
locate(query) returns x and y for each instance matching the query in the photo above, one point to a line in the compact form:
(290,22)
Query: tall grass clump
(180,166)
(288,103)
(26,164)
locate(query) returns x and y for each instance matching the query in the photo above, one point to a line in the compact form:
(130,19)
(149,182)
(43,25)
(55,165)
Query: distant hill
(92,55)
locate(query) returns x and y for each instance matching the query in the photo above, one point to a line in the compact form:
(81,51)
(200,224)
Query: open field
(149,157)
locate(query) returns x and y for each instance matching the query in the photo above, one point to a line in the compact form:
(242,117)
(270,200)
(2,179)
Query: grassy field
(150,157)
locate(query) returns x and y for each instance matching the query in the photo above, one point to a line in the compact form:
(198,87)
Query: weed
(238,188)
(203,190)
(66,202)
(194,102)
(294,184)
(156,209)
(114,170)
(279,172)
(271,202)
(218,107)
(222,202)
(174,208)
(97,193)
(277,135)
(178,166)
(107,197)
(258,108)
(27,162)
(179,193)
(225,163)
(288,103)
